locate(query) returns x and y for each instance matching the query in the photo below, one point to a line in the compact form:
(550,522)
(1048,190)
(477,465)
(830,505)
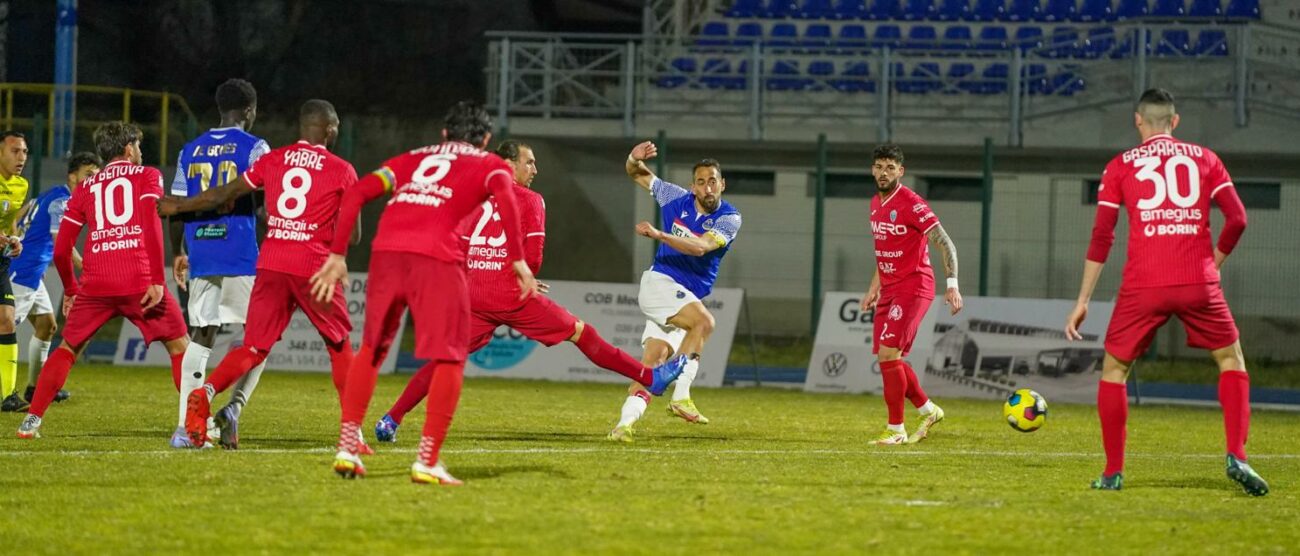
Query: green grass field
(776,472)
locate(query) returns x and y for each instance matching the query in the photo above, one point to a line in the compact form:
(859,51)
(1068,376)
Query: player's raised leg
(698,323)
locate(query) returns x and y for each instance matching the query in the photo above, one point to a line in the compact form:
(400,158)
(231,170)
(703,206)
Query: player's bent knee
(177,346)
(888,354)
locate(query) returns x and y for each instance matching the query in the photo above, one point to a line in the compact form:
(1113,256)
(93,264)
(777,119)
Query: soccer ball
(1025,410)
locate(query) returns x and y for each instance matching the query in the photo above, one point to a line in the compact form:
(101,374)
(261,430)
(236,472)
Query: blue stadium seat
(855,77)
(957,38)
(1059,10)
(714,33)
(816,36)
(816,9)
(1063,43)
(887,35)
(780,9)
(787,77)
(821,71)
(992,38)
(918,10)
(715,73)
(953,10)
(924,79)
(850,9)
(852,37)
(1095,10)
(993,82)
(784,35)
(921,37)
(1169,8)
(1174,42)
(1211,43)
(1029,38)
(1243,8)
(682,70)
(1033,78)
(885,10)
(1065,83)
(1125,47)
(1131,8)
(1099,42)
(989,10)
(1024,10)
(745,8)
(749,33)
(958,74)
(1206,8)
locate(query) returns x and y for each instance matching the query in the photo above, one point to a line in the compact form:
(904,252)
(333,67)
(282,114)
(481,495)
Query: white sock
(633,408)
(194,369)
(898,428)
(682,390)
(244,388)
(37,351)
(927,408)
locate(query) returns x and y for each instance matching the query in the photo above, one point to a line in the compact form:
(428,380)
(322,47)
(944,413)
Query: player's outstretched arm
(208,200)
(693,246)
(951,296)
(635,165)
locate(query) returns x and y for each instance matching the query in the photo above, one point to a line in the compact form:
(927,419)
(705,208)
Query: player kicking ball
(902,288)
(304,184)
(122,269)
(1166,186)
(494,297)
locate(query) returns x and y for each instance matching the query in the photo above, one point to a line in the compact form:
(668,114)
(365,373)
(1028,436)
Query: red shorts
(538,318)
(1139,312)
(271,305)
(436,292)
(896,321)
(161,323)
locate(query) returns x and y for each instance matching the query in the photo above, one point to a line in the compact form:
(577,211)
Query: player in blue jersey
(698,229)
(39,225)
(220,247)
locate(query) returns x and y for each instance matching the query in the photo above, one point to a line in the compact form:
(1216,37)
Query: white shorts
(218,300)
(31,302)
(661,298)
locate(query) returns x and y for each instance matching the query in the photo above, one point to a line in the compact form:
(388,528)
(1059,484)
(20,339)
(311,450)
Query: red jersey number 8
(295,185)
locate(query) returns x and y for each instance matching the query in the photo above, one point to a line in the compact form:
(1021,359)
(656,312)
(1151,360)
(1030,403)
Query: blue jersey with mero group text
(38,228)
(219,244)
(681,218)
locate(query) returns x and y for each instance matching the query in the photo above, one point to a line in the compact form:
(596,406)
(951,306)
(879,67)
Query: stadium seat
(745,8)
(1174,42)
(992,38)
(1125,47)
(784,35)
(958,76)
(952,10)
(1243,9)
(993,80)
(1024,10)
(1059,10)
(682,70)
(921,37)
(1169,8)
(714,33)
(780,9)
(852,37)
(924,79)
(1206,8)
(1099,42)
(715,73)
(989,10)
(956,38)
(1029,38)
(887,35)
(1211,43)
(1033,79)
(821,71)
(1131,8)
(918,10)
(816,9)
(1095,10)
(855,77)
(850,9)
(885,10)
(816,36)
(787,77)
(749,33)
(1065,83)
(1063,43)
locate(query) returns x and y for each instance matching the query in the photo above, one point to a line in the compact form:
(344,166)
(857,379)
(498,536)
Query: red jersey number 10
(107,206)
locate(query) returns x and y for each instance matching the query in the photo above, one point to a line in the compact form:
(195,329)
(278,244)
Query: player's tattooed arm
(940,238)
(635,164)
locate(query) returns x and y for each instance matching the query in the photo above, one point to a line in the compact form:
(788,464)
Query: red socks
(176,370)
(1234,396)
(53,375)
(234,365)
(416,389)
(361,385)
(914,392)
(444,394)
(340,364)
(1112,408)
(611,358)
(895,379)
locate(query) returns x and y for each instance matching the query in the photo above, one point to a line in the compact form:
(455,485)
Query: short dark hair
(79,160)
(316,108)
(509,150)
(707,163)
(112,138)
(12,133)
(235,94)
(1156,96)
(888,151)
(468,121)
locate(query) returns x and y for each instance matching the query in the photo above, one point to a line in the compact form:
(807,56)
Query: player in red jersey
(122,265)
(494,294)
(902,288)
(418,260)
(1166,187)
(304,184)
